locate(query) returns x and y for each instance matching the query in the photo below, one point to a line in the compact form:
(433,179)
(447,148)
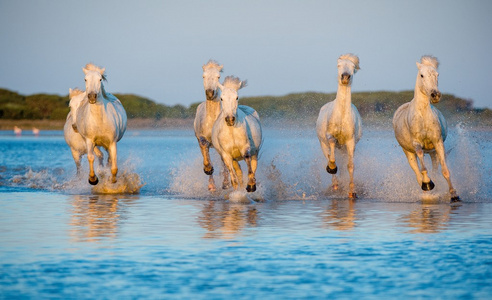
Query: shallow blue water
(175,240)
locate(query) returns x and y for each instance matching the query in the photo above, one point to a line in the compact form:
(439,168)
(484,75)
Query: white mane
(353,58)
(234,83)
(74,92)
(212,64)
(430,60)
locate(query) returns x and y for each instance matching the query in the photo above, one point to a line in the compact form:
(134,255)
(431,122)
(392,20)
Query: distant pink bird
(35,131)
(17,131)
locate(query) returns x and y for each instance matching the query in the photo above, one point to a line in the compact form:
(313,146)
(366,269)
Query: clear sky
(156,48)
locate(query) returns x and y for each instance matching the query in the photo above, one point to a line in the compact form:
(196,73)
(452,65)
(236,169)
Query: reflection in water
(429,218)
(223,220)
(340,215)
(96,216)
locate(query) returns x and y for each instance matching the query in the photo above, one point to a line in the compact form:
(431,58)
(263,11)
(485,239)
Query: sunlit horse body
(100,120)
(206,115)
(339,123)
(421,128)
(74,140)
(237,134)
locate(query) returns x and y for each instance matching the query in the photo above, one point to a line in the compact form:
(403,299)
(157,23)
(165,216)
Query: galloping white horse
(421,128)
(74,140)
(236,134)
(206,115)
(339,123)
(100,120)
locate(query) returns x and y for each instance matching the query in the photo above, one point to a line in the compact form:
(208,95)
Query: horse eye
(100,79)
(421,75)
(237,98)
(85,80)
(221,99)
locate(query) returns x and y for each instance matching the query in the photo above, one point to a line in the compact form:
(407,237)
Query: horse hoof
(330,170)
(353,195)
(209,172)
(427,186)
(93,181)
(455,199)
(251,188)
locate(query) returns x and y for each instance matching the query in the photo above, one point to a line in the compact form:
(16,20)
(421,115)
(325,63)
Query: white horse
(206,115)
(421,128)
(74,140)
(236,134)
(100,119)
(339,123)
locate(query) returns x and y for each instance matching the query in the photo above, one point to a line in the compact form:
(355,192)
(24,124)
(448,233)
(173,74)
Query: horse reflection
(340,215)
(429,218)
(224,220)
(95,217)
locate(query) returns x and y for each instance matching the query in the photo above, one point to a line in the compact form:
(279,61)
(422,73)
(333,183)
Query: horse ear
(419,65)
(220,68)
(243,84)
(85,70)
(221,87)
(102,71)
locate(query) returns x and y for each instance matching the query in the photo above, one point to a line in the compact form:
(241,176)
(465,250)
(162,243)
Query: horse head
(93,81)
(348,64)
(229,98)
(211,76)
(427,78)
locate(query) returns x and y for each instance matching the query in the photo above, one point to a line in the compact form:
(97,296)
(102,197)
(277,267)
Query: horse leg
(412,161)
(227,159)
(76,157)
(441,154)
(332,166)
(427,183)
(226,183)
(93,180)
(433,156)
(99,155)
(350,166)
(205,149)
(114,166)
(239,172)
(251,162)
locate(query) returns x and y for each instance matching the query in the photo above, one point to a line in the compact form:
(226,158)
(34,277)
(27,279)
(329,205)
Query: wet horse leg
(227,159)
(239,172)
(350,166)
(427,183)
(114,166)
(441,154)
(207,165)
(332,166)
(226,183)
(252,163)
(93,180)
(76,157)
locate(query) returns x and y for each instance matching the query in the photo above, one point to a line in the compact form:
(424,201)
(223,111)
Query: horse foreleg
(205,149)
(332,166)
(435,166)
(350,167)
(227,159)
(239,172)
(441,154)
(226,183)
(76,158)
(251,162)
(427,183)
(99,155)
(114,166)
(90,157)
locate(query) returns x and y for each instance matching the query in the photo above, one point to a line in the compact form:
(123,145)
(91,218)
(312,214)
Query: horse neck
(343,100)
(420,100)
(212,107)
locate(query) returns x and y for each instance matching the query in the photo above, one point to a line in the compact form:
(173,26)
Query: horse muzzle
(435,96)
(92,98)
(230,120)
(345,78)
(210,94)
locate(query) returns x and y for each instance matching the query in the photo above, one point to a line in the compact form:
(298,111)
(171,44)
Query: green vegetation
(299,108)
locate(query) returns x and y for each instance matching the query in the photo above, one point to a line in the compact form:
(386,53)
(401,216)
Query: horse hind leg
(252,163)
(114,166)
(239,172)
(445,172)
(350,167)
(76,157)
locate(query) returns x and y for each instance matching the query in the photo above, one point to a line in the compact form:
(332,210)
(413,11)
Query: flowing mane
(74,92)
(353,58)
(234,83)
(93,67)
(212,64)
(429,60)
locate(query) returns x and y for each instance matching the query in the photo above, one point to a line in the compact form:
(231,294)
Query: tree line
(296,107)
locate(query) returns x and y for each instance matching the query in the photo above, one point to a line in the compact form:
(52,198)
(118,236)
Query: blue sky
(156,48)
